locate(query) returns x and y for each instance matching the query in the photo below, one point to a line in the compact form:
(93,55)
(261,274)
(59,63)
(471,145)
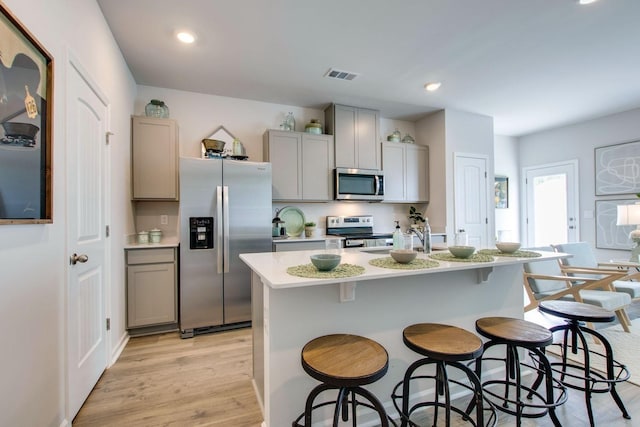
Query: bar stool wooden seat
(444,346)
(507,393)
(345,363)
(580,376)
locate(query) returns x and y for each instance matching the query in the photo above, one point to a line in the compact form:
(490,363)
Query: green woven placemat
(418,263)
(448,256)
(310,271)
(516,254)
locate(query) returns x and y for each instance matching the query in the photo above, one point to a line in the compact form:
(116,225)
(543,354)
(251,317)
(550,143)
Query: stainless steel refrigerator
(225,210)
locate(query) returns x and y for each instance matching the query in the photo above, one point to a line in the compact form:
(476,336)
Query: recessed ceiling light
(186,37)
(586,1)
(433,86)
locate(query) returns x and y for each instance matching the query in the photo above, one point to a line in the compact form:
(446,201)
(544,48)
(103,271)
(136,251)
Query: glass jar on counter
(156,108)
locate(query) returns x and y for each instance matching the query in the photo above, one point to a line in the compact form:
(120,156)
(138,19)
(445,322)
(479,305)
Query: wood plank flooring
(163,380)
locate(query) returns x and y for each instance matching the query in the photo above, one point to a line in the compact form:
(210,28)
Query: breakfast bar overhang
(288,311)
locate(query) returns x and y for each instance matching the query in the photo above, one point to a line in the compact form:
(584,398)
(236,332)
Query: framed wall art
(608,234)
(617,169)
(26,89)
(501,189)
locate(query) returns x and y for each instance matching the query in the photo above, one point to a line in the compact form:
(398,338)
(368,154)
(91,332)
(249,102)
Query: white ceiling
(530,64)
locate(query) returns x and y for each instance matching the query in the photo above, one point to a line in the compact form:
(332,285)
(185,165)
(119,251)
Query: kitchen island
(288,311)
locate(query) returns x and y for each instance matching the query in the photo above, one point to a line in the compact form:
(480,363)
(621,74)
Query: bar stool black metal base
(509,394)
(581,376)
(346,398)
(442,385)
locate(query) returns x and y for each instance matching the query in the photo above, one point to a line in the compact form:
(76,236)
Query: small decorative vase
(156,108)
(308,231)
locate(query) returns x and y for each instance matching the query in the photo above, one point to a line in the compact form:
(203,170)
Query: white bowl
(403,256)
(508,247)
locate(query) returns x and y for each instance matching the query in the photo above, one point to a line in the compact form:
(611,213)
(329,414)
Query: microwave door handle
(377,185)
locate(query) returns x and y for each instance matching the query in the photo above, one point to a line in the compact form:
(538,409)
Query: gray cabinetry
(356,136)
(154,158)
(302,165)
(151,287)
(298,246)
(406,172)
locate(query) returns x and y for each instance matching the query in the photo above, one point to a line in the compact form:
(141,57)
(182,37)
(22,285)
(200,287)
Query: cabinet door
(154,159)
(417,173)
(368,147)
(284,151)
(345,136)
(393,164)
(151,294)
(317,167)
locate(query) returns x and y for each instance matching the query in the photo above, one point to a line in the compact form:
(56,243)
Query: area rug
(626,349)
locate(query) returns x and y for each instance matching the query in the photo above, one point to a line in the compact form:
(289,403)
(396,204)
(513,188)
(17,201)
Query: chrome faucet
(424,237)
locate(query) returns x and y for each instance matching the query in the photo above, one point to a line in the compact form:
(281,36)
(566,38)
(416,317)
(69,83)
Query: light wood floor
(163,380)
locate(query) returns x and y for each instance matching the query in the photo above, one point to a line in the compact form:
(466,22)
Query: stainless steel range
(357,231)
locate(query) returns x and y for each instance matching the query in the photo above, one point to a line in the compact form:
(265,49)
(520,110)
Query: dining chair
(583,258)
(545,280)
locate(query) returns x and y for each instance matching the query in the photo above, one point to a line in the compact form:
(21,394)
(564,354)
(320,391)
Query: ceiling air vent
(341,75)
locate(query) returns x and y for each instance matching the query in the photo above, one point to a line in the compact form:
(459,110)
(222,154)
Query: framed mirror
(26,88)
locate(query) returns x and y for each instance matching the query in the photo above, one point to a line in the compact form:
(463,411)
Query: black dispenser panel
(201,232)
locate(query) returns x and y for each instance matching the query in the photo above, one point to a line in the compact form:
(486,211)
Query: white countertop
(165,242)
(272,266)
(315,238)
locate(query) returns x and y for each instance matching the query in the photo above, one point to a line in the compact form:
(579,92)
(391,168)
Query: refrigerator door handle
(219,229)
(225,204)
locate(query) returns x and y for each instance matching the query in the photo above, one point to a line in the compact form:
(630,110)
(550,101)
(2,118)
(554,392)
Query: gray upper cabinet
(302,165)
(154,158)
(356,136)
(406,172)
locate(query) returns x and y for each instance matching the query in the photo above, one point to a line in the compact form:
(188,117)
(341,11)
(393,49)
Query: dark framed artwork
(501,189)
(26,90)
(617,169)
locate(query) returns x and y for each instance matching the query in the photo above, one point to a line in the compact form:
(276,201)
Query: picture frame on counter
(26,116)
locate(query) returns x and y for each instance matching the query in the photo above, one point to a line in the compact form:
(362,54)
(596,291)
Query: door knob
(75,258)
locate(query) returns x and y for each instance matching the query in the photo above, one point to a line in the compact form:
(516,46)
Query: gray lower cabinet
(151,287)
(298,246)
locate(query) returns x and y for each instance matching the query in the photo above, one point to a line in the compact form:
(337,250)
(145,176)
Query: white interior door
(551,204)
(87,116)
(471,198)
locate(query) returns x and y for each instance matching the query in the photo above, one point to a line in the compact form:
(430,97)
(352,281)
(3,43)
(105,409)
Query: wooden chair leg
(623,319)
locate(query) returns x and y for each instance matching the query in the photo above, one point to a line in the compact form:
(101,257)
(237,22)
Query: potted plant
(416,217)
(309,228)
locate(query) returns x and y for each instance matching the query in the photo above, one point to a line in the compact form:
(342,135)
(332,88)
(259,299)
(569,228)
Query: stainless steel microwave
(359,184)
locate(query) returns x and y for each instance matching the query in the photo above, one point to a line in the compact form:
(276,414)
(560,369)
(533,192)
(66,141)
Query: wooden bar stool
(345,363)
(444,346)
(580,376)
(507,394)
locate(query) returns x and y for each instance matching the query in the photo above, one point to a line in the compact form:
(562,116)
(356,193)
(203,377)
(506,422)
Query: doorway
(551,204)
(471,196)
(87,243)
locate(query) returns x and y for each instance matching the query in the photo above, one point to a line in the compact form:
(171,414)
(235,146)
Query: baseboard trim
(122,343)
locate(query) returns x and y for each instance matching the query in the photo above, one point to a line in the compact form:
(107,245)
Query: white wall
(33,258)
(578,141)
(447,132)
(506,162)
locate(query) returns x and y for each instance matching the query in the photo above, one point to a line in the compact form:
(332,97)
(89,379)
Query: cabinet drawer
(148,256)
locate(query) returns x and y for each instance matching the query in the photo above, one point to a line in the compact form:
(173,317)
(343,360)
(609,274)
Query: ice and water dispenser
(201,232)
